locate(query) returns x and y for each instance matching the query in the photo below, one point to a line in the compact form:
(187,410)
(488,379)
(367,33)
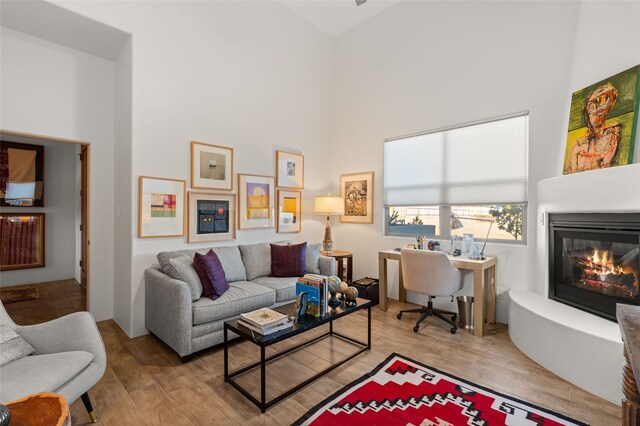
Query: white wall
(424,65)
(60,221)
(249,75)
(54,91)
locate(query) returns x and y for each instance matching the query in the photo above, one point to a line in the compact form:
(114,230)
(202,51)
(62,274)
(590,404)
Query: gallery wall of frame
(166,209)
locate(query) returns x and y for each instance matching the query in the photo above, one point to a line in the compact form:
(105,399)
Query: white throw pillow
(12,346)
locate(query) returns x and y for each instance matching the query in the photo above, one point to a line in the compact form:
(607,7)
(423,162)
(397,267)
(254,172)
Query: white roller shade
(475,164)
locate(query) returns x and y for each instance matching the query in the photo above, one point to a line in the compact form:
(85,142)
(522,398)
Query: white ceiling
(333,17)
(58,25)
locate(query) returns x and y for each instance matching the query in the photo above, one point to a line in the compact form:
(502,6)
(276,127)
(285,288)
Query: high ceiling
(333,17)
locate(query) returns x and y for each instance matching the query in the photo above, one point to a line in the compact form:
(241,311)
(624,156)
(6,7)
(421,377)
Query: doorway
(60,283)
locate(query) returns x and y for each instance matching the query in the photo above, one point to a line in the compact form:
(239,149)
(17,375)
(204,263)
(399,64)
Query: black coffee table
(304,323)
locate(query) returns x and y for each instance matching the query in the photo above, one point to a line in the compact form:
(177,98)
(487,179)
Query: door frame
(84,198)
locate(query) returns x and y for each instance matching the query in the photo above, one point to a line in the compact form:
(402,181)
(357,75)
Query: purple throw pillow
(211,274)
(289,260)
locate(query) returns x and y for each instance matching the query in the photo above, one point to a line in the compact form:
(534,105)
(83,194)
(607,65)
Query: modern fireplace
(594,260)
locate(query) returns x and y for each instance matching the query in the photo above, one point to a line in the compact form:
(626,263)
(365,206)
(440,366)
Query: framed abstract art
(357,192)
(21,174)
(161,207)
(289,211)
(22,236)
(289,170)
(602,123)
(211,166)
(212,217)
(256,201)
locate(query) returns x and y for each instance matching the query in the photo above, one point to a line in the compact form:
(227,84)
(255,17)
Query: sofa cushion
(164,259)
(232,264)
(256,259)
(211,274)
(41,373)
(285,288)
(288,261)
(12,346)
(242,296)
(312,258)
(182,268)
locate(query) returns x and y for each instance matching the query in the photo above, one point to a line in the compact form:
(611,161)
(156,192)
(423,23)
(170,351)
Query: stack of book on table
(264,321)
(317,291)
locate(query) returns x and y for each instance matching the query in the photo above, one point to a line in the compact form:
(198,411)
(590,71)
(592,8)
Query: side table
(44,408)
(341,256)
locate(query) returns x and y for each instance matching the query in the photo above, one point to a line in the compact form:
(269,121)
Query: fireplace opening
(595,261)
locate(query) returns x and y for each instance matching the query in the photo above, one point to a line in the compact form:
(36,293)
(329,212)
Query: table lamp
(456,223)
(330,206)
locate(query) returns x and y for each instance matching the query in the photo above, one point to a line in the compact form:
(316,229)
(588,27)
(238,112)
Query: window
(477,171)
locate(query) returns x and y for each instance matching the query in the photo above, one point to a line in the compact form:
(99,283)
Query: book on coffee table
(265,330)
(264,317)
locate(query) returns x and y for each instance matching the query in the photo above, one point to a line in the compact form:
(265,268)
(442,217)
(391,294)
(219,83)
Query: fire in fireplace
(595,261)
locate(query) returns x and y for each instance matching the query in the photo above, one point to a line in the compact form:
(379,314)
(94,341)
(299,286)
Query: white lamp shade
(327,204)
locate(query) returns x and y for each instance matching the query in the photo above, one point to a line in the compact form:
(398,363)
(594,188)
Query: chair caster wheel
(399,316)
(416,328)
(453,330)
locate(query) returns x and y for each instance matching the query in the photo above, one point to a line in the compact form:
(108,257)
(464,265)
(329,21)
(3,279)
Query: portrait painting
(289,211)
(211,166)
(256,201)
(161,207)
(357,192)
(289,170)
(602,123)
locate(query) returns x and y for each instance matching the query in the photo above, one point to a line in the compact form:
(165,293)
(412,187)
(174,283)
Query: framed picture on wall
(211,166)
(161,207)
(21,174)
(212,217)
(289,170)
(289,211)
(356,190)
(22,241)
(256,201)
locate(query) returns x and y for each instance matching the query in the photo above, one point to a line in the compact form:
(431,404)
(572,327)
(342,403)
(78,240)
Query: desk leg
(382,282)
(402,294)
(491,300)
(478,305)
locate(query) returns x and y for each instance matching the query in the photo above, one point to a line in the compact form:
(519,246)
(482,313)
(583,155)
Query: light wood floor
(146,383)
(57,298)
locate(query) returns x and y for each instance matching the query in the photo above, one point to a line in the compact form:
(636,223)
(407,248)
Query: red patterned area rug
(401,391)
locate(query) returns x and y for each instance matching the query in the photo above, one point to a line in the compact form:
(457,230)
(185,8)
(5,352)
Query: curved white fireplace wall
(580,347)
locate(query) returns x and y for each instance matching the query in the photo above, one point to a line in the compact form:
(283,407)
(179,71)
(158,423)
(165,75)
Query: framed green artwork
(602,123)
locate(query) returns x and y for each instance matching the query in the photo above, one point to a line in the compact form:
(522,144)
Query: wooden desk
(629,320)
(340,256)
(484,271)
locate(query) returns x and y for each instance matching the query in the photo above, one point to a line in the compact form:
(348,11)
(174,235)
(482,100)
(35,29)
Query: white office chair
(432,274)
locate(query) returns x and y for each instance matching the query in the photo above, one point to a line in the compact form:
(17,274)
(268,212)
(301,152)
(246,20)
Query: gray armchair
(70,358)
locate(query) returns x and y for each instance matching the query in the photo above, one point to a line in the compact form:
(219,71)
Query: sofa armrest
(328,265)
(73,332)
(168,313)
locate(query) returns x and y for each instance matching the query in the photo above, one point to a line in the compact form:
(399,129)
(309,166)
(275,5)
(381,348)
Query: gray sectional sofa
(175,312)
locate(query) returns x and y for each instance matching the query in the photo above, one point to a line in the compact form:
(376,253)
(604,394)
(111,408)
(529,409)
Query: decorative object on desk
(21,174)
(467,240)
(335,284)
(602,123)
(22,241)
(356,191)
(351,295)
(212,217)
(420,239)
(289,211)
(456,223)
(409,246)
(414,393)
(161,207)
(5,415)
(289,170)
(329,206)
(256,201)
(211,166)
(433,245)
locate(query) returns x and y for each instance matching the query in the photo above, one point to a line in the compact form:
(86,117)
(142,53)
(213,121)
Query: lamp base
(327,244)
